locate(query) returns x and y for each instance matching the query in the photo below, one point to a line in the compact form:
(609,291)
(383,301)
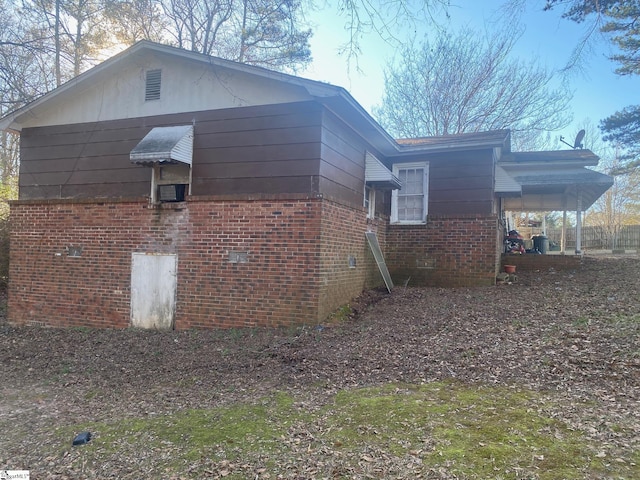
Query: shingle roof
(494,138)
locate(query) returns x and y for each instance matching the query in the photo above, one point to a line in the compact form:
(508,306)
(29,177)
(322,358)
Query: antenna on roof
(578,141)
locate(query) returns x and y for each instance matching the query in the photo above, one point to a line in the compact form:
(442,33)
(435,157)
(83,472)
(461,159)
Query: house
(168,189)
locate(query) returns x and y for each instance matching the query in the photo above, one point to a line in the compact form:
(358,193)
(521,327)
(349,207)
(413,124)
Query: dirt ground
(575,333)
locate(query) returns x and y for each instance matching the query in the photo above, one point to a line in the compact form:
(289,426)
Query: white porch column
(579,225)
(563,235)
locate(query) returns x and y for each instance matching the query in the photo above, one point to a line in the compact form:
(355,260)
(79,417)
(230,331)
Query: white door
(153,290)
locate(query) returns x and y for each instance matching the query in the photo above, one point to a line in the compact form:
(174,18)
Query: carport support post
(155,175)
(579,225)
(563,235)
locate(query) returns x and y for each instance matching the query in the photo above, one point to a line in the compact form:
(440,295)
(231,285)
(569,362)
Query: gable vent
(152,91)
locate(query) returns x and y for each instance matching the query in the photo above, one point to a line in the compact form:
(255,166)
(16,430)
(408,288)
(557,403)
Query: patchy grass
(472,431)
(341,314)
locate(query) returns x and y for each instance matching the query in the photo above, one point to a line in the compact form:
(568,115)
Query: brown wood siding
(87,177)
(342,165)
(263,154)
(246,138)
(81,164)
(231,186)
(266,149)
(459,182)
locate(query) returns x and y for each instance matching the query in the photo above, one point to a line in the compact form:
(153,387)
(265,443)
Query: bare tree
(620,205)
(271,34)
(605,22)
(617,207)
(17,47)
(261,32)
(464,83)
(136,20)
(83,32)
(75,31)
(194,24)
(25,66)
(384,19)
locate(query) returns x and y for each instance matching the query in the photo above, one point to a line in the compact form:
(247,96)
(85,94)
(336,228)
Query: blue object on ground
(82,438)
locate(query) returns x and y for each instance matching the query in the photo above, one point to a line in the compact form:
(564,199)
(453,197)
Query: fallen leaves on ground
(573,333)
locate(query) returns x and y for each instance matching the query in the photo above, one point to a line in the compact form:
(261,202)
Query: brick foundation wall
(297,258)
(379,227)
(276,286)
(343,236)
(48,287)
(296,270)
(531,262)
(448,251)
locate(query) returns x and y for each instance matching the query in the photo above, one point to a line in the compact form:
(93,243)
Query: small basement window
(153,84)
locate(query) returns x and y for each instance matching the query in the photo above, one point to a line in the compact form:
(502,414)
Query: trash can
(541,243)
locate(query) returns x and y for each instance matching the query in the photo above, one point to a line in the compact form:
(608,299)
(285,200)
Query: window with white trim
(409,204)
(370,201)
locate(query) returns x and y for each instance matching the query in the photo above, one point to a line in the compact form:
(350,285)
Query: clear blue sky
(598,91)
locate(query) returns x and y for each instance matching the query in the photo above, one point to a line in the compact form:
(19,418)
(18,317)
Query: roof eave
(320,90)
(412,149)
(10,121)
(386,144)
(325,93)
(570,158)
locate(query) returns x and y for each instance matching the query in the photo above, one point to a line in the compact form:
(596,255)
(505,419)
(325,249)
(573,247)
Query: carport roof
(582,157)
(554,180)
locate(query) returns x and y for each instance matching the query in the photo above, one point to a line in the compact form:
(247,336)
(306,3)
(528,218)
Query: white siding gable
(186,86)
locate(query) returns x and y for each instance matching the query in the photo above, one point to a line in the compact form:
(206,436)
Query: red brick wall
(379,227)
(448,251)
(343,235)
(297,270)
(531,262)
(278,284)
(297,249)
(48,287)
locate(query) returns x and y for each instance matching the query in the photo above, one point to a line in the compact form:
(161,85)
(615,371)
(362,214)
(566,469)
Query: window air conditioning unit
(172,193)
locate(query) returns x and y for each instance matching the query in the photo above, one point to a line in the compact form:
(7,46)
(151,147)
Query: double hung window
(409,204)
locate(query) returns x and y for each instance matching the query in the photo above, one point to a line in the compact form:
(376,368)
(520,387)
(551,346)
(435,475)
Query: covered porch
(550,181)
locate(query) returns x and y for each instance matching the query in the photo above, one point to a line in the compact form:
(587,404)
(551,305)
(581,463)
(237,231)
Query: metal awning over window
(165,145)
(377,175)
